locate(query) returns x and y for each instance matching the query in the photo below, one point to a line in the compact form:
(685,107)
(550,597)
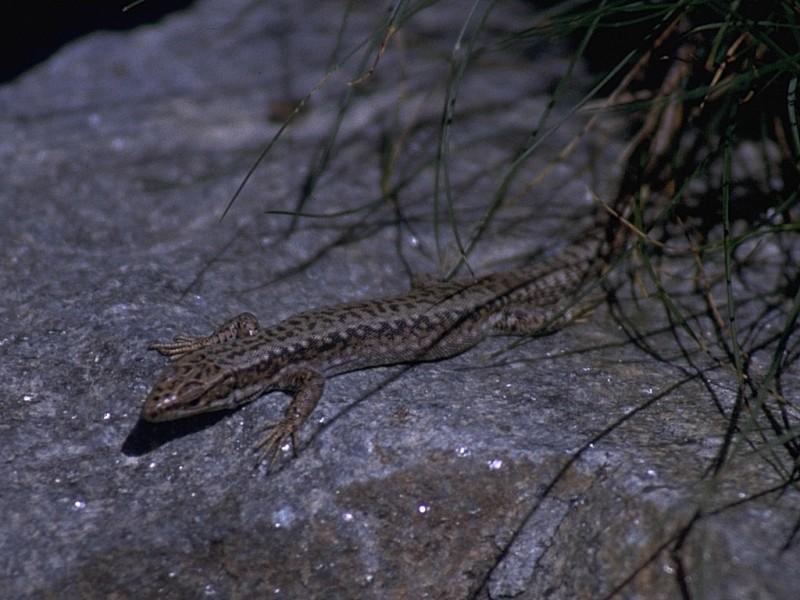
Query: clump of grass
(715,149)
(711,182)
(711,177)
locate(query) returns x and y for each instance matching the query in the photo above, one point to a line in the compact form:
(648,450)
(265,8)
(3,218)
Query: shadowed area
(146,437)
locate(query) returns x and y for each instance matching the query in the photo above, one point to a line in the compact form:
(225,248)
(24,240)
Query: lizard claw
(273,440)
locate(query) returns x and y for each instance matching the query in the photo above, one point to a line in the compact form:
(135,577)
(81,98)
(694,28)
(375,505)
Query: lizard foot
(242,325)
(273,441)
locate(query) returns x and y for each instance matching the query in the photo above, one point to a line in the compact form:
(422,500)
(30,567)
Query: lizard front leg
(306,387)
(243,325)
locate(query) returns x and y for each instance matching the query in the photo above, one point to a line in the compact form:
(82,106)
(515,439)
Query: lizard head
(191,385)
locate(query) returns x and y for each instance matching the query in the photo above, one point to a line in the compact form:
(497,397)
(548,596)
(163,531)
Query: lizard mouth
(166,403)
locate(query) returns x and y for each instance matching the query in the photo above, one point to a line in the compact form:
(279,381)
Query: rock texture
(575,465)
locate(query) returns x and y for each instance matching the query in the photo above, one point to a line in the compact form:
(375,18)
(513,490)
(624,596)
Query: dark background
(32,31)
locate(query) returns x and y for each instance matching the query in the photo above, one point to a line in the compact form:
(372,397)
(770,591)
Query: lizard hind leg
(528,319)
(525,319)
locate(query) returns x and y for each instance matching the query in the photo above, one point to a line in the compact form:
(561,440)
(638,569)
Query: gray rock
(575,465)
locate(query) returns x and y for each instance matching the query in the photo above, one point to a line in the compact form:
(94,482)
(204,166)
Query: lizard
(241,360)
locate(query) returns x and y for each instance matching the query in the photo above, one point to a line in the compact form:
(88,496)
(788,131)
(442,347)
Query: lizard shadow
(146,437)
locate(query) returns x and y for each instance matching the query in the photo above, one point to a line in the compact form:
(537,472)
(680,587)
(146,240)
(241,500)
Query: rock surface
(575,465)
